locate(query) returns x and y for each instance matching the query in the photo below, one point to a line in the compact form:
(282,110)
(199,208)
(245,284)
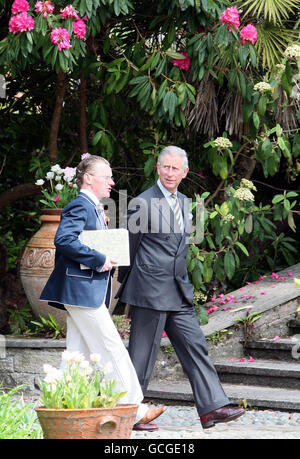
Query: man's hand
(108,265)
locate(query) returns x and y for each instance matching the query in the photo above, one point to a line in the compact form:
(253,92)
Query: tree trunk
(18,192)
(60,93)
(82,121)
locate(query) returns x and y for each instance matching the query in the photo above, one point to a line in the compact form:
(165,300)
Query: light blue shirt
(168,195)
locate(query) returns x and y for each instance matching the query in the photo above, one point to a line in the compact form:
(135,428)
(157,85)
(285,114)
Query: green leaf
(229,264)
(243,248)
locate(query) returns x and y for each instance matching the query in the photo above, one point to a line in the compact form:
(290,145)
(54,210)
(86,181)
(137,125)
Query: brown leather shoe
(152,414)
(145,427)
(224,414)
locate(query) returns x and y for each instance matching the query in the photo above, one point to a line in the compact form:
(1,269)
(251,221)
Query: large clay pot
(37,264)
(89,423)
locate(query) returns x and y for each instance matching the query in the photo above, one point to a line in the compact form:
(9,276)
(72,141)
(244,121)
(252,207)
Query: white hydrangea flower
(292,51)
(262,87)
(222,142)
(243,194)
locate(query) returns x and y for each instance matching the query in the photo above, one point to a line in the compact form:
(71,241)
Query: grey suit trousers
(189,342)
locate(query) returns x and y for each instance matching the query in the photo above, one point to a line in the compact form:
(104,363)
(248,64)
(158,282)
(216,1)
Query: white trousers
(92,331)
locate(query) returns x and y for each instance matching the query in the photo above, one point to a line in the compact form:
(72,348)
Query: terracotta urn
(87,423)
(37,264)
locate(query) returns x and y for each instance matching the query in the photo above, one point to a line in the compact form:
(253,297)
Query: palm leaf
(271,43)
(273,10)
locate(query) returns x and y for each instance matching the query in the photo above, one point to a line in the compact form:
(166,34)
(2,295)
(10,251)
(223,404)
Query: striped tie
(103,216)
(177,211)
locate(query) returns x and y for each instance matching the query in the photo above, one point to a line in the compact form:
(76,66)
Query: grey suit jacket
(158,277)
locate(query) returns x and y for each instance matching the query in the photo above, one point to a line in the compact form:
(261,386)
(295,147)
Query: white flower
(59,187)
(95,358)
(40,182)
(66,356)
(50,175)
(292,51)
(69,173)
(248,184)
(243,194)
(222,142)
(262,87)
(85,155)
(57,169)
(48,368)
(108,368)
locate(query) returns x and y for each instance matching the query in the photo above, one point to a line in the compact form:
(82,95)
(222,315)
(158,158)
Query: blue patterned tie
(177,211)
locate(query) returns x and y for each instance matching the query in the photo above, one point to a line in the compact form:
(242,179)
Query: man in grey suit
(159,291)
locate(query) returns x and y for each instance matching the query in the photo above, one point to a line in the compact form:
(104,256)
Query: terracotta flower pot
(89,423)
(37,264)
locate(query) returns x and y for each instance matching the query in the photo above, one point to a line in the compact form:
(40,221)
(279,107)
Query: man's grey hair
(174,151)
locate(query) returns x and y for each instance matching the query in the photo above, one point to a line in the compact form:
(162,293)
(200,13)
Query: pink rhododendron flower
(60,37)
(69,12)
(230,17)
(20,6)
(242,360)
(276,338)
(79,29)
(248,33)
(263,293)
(183,64)
(44,7)
(20,23)
(251,359)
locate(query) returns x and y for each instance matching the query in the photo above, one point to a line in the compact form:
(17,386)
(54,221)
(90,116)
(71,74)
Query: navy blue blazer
(68,283)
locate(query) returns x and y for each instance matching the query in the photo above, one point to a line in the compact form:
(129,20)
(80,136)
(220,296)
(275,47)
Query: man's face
(100,180)
(171,172)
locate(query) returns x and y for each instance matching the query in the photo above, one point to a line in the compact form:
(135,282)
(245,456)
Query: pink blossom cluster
(60,37)
(44,8)
(248,33)
(69,12)
(21,21)
(183,64)
(231,17)
(20,6)
(79,29)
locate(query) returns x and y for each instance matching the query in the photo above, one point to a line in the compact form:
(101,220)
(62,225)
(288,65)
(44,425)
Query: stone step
(179,392)
(287,349)
(294,326)
(268,373)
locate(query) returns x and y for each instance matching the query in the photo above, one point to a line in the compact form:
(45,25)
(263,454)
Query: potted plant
(81,402)
(58,188)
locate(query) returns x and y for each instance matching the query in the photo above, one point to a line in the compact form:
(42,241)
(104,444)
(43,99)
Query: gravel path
(182,422)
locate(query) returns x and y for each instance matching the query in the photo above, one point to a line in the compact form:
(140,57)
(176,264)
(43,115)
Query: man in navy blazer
(80,283)
(158,289)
